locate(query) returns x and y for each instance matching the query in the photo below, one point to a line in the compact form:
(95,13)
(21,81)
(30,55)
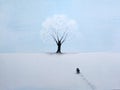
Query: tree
(59,41)
(58,27)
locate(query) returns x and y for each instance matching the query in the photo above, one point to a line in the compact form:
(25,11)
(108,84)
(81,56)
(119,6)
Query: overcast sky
(98,22)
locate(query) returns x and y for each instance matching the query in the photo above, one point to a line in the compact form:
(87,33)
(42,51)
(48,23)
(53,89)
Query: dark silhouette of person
(77,70)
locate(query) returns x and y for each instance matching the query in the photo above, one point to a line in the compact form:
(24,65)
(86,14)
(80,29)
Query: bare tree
(59,40)
(58,27)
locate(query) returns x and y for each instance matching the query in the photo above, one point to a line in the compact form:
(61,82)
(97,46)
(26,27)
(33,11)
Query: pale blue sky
(98,20)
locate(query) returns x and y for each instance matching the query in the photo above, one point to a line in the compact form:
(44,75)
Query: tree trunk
(59,48)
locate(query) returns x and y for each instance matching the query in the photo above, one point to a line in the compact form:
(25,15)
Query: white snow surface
(20,71)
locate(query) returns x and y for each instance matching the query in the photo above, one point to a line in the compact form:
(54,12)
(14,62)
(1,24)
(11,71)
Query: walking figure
(77,70)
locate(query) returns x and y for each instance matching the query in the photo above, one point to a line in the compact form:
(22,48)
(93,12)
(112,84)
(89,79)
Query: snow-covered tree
(59,28)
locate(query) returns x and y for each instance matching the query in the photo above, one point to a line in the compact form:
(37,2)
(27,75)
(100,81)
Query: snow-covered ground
(99,71)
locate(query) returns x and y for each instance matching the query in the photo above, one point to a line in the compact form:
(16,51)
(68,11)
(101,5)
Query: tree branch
(54,39)
(64,38)
(56,34)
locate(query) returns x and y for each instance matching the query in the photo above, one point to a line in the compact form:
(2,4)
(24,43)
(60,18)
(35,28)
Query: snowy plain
(25,71)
